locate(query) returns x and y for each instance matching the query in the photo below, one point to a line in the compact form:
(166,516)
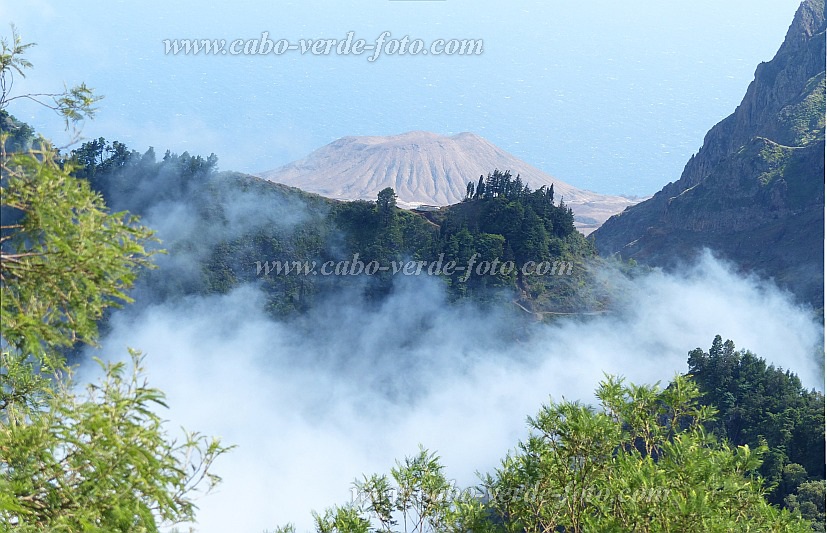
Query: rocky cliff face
(754,193)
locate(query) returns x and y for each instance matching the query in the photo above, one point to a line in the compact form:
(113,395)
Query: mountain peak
(808,21)
(427,168)
(754,192)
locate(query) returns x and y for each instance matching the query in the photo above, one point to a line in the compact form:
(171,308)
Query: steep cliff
(754,193)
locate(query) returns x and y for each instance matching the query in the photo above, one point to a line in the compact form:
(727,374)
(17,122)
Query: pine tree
(480,192)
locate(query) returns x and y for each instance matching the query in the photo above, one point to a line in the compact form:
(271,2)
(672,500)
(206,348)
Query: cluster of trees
(643,460)
(558,219)
(132,181)
(20,136)
(502,222)
(505,220)
(93,460)
(763,405)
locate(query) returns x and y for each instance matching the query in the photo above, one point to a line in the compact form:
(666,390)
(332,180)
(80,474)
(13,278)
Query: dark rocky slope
(754,193)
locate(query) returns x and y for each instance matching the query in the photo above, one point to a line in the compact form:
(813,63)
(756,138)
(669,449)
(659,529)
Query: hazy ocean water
(606,97)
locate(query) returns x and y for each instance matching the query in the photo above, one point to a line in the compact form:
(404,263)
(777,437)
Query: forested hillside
(506,241)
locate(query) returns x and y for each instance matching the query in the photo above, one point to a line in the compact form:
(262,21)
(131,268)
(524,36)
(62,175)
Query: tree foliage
(762,404)
(20,136)
(102,461)
(641,461)
(64,257)
(416,497)
(99,461)
(72,104)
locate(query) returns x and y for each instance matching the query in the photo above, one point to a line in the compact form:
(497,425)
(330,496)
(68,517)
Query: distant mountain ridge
(754,192)
(427,168)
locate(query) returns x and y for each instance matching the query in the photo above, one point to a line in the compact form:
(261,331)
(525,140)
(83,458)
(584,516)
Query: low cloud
(347,389)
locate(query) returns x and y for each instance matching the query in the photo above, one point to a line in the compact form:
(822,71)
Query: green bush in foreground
(641,462)
(95,462)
